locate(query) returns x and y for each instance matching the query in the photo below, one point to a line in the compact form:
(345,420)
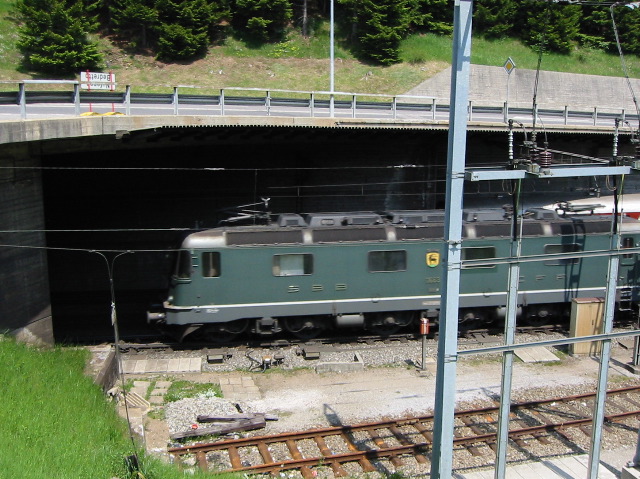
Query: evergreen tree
(433,16)
(495,18)
(134,20)
(595,27)
(53,36)
(262,20)
(553,27)
(628,24)
(380,25)
(185,27)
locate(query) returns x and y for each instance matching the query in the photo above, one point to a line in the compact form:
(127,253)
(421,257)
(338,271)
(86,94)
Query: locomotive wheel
(224,332)
(539,316)
(385,324)
(304,327)
(473,319)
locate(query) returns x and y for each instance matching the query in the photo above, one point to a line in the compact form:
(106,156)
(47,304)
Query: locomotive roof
(397,226)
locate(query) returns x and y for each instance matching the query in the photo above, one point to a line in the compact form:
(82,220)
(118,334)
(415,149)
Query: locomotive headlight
(170,299)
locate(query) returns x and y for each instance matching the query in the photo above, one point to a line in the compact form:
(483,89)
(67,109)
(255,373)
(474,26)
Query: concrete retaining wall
(25,309)
(555,90)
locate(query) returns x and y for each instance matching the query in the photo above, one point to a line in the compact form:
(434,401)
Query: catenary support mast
(442,460)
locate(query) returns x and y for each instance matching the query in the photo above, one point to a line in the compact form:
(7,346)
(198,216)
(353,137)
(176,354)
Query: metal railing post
(221,101)
(127,99)
(174,100)
(394,107)
(76,99)
(268,103)
(595,115)
(312,104)
(623,114)
(505,110)
(22,100)
(566,115)
(353,106)
(470,110)
(434,107)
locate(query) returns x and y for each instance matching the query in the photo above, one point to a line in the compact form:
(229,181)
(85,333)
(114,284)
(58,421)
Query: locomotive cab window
(561,248)
(478,252)
(210,264)
(292,264)
(183,265)
(387,261)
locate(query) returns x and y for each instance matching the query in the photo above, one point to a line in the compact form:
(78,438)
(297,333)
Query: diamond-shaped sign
(509,65)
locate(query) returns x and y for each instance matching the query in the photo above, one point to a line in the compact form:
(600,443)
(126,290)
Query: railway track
(155,343)
(363,445)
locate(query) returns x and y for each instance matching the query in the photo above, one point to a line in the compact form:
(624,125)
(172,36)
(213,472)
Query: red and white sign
(98,81)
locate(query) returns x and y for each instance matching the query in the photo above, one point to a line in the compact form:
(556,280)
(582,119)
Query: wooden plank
(235,417)
(239,425)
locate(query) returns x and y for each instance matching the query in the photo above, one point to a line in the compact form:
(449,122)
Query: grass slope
(55,422)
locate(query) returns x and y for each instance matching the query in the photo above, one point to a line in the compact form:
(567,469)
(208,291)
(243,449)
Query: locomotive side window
(561,248)
(386,261)
(478,252)
(292,264)
(210,264)
(183,265)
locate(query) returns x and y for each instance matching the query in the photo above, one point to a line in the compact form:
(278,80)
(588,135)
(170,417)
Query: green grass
(421,48)
(55,423)
(187,389)
(9,55)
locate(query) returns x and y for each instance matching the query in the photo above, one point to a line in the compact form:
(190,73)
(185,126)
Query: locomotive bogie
(384,276)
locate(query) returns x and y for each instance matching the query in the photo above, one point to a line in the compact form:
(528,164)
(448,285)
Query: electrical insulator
(544,159)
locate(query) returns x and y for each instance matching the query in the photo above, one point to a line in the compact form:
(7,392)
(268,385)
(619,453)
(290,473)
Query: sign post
(98,81)
(509,66)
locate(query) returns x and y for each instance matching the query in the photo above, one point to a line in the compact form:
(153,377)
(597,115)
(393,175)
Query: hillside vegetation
(55,423)
(300,63)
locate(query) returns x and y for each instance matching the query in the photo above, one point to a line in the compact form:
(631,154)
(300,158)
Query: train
(380,272)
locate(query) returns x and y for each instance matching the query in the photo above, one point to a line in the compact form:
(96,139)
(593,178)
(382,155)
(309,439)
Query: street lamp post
(331,56)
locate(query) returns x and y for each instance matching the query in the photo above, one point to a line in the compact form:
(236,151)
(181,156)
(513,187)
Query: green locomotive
(382,272)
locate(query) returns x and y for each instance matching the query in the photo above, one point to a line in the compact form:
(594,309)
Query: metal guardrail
(245,101)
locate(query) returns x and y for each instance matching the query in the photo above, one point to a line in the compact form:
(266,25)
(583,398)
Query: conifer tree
(262,20)
(628,24)
(433,16)
(595,27)
(53,36)
(553,27)
(380,25)
(186,27)
(495,18)
(135,21)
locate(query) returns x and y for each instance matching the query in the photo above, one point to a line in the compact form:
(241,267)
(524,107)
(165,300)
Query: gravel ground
(390,385)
